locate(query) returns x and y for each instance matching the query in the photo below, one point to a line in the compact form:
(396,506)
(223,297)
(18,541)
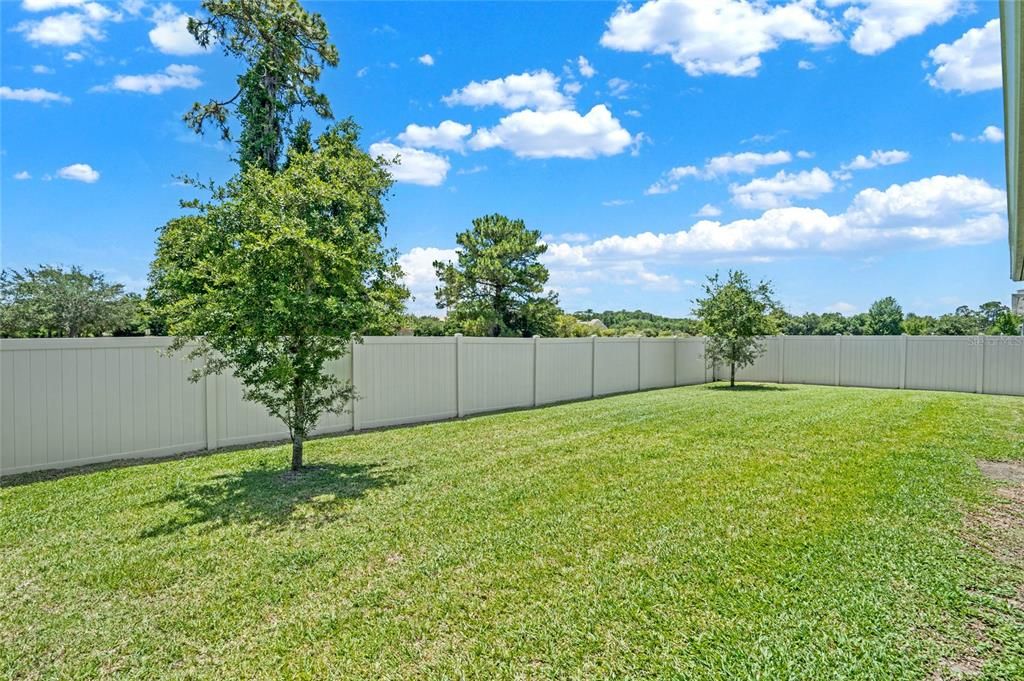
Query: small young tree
(735,316)
(497,286)
(53,301)
(271,278)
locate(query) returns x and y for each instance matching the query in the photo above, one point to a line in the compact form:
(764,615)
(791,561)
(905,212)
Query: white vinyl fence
(68,402)
(979,364)
(76,401)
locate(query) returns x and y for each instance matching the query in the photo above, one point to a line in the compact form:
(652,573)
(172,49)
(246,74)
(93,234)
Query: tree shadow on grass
(750,387)
(271,497)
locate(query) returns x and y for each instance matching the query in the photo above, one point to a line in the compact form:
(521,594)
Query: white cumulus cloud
(877,158)
(47,5)
(971,63)
(426,60)
(551,134)
(23,175)
(934,211)
(170,34)
(536,90)
(414,166)
(880,24)
(746,162)
(174,76)
(447,135)
(67,28)
(35,95)
(708,211)
(991,133)
(669,181)
(780,189)
(716,36)
(79,172)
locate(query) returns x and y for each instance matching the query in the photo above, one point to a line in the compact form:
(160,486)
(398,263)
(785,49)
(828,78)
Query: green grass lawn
(697,533)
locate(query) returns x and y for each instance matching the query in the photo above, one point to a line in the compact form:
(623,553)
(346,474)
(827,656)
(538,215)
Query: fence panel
(765,368)
(810,359)
(942,363)
(1003,365)
(616,365)
(690,367)
(871,361)
(77,401)
(404,380)
(495,373)
(564,369)
(657,363)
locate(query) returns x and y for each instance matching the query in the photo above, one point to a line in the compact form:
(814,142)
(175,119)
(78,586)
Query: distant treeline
(52,301)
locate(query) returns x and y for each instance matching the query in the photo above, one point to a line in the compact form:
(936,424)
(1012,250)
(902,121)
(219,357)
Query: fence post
(675,361)
(839,356)
(782,359)
(352,372)
(903,361)
(704,360)
(979,384)
(593,366)
(459,409)
(536,340)
(211,411)
(639,355)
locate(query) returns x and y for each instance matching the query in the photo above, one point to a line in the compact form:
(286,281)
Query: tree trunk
(297,428)
(732,375)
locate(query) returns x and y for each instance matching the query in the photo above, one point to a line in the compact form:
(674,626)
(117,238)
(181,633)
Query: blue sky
(844,150)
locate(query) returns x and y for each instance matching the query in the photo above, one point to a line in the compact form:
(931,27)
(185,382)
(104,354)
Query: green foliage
(52,301)
(990,312)
(963,322)
(273,275)
(427,326)
(1007,324)
(284,49)
(736,315)
(885,318)
(496,287)
(568,326)
(135,320)
(640,323)
(918,325)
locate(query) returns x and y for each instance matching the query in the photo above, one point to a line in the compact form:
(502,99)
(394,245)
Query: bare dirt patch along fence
(69,402)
